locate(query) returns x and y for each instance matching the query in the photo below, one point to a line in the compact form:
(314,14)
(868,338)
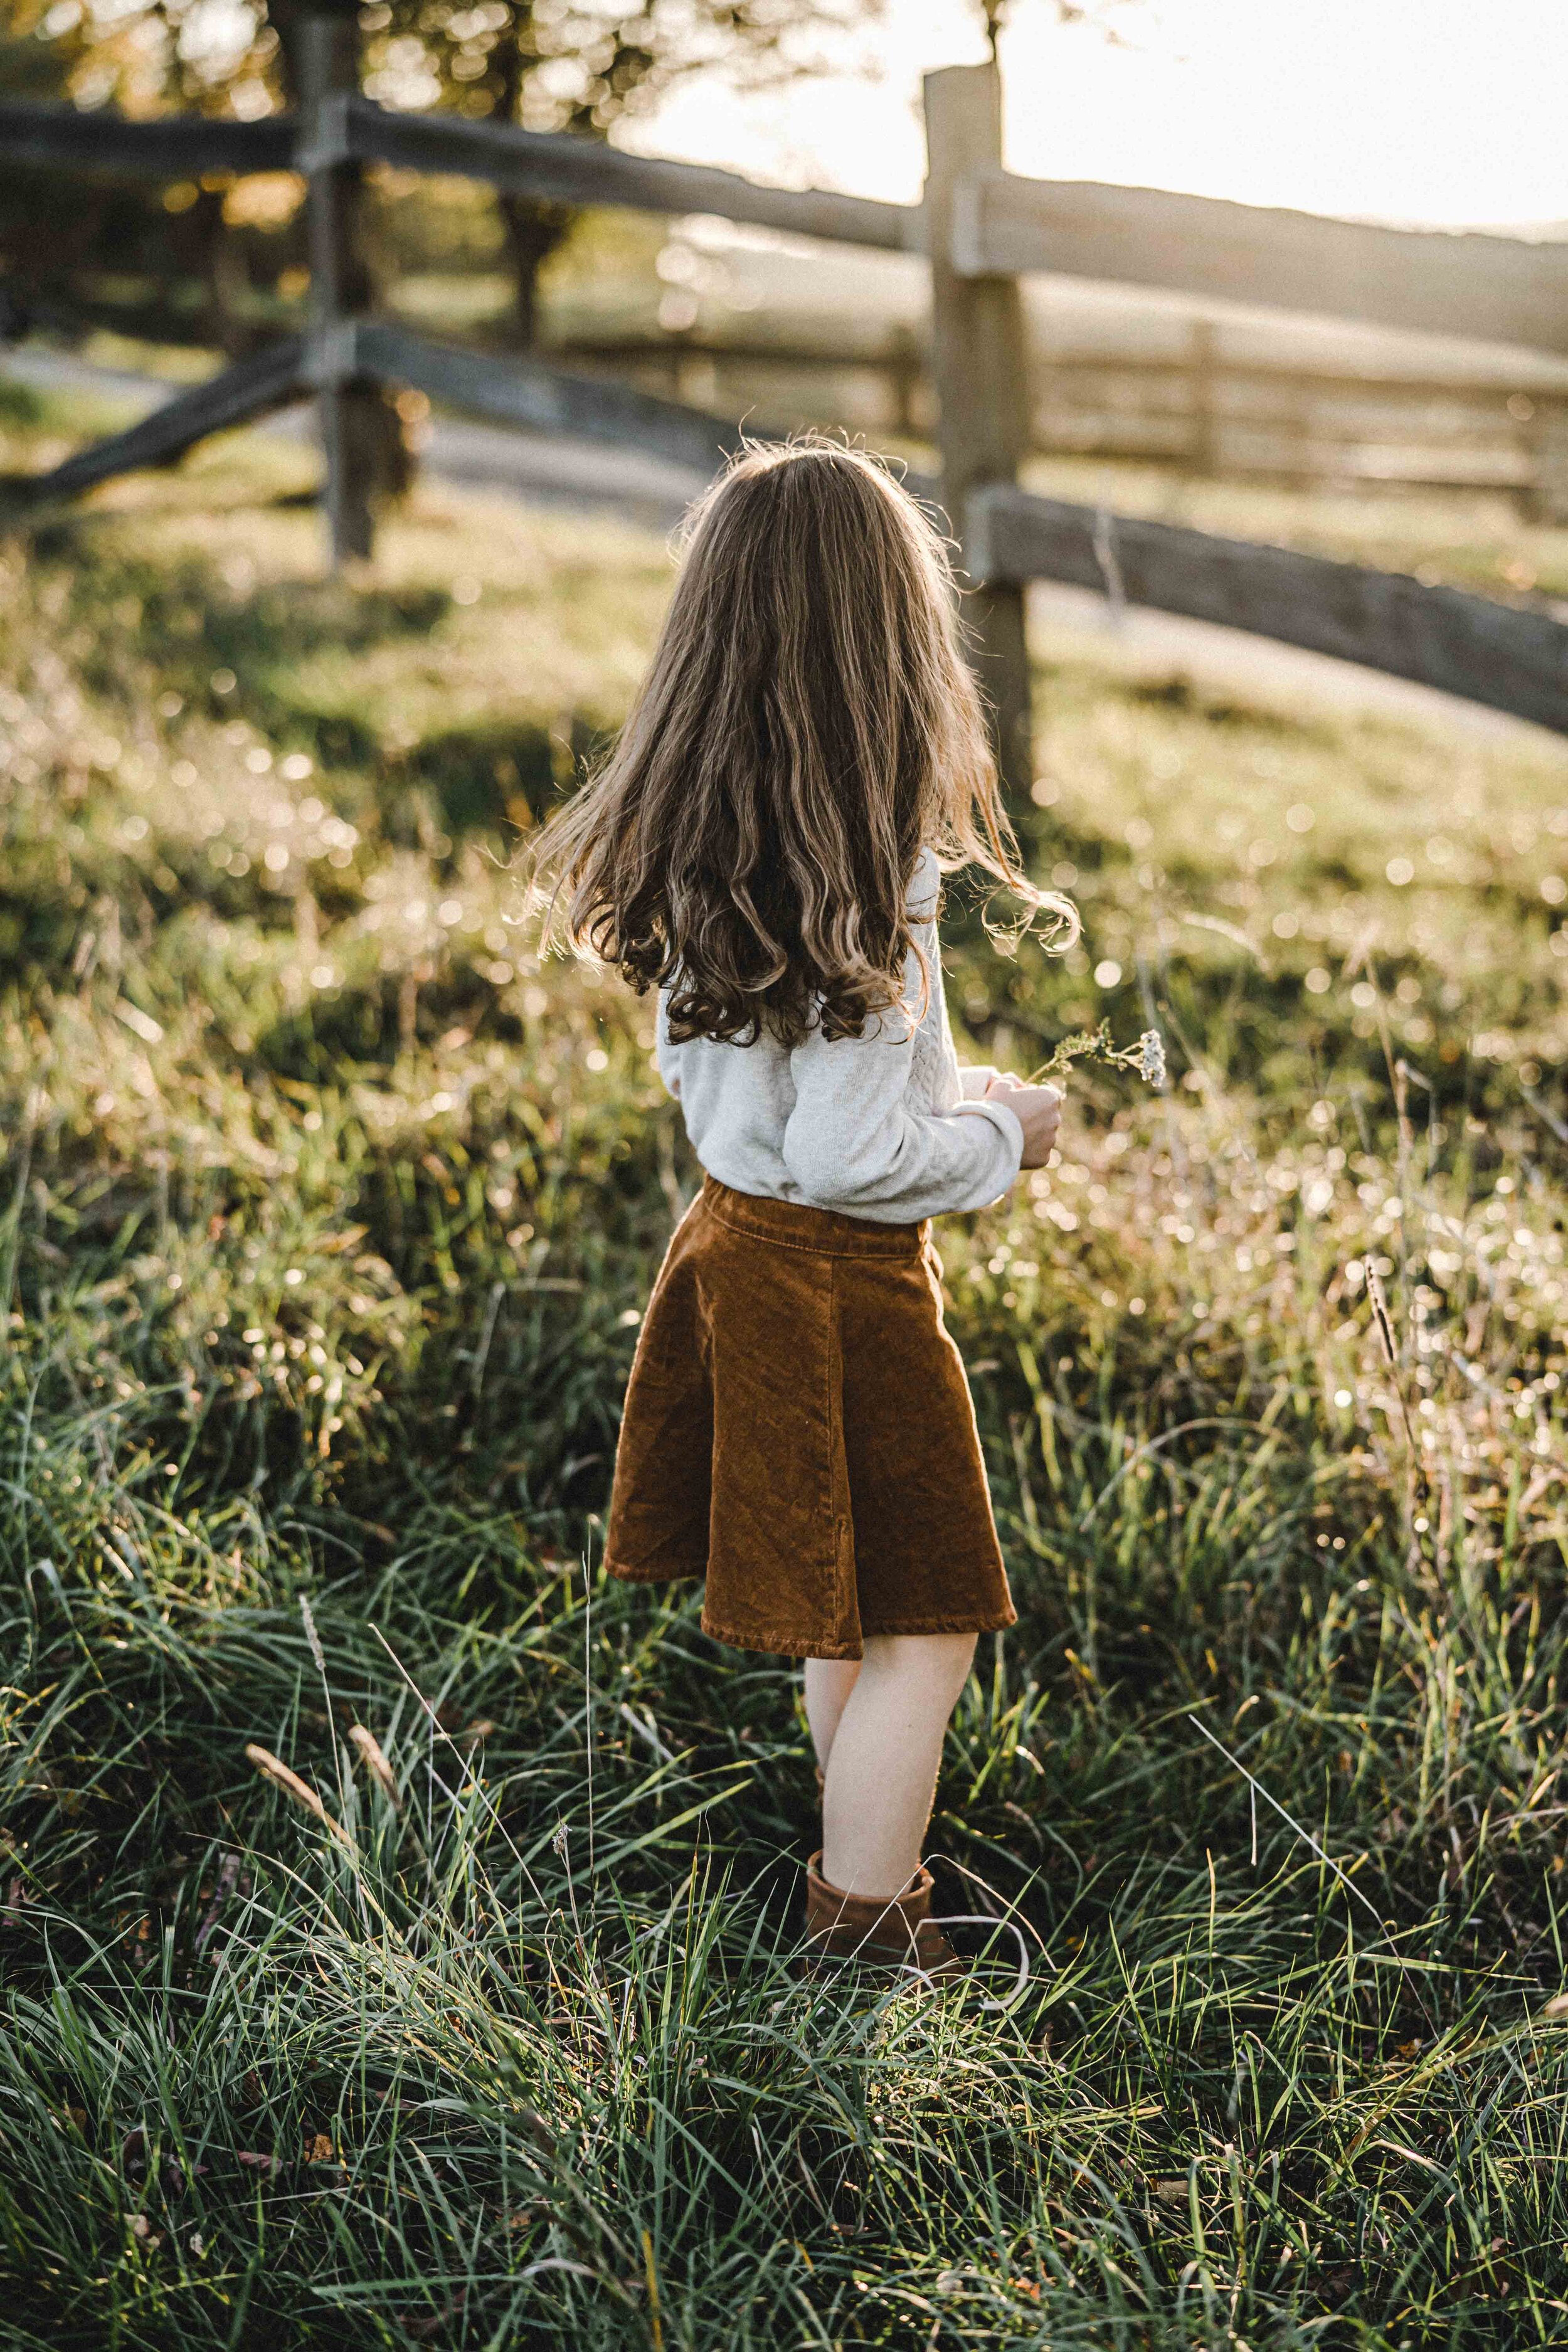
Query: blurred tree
(73,247)
(35,65)
(575,66)
(1107,17)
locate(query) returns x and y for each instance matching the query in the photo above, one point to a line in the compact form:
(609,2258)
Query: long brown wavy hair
(808,727)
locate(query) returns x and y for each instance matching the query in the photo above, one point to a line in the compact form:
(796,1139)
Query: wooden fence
(1252,419)
(980,229)
(1190,402)
(1198,409)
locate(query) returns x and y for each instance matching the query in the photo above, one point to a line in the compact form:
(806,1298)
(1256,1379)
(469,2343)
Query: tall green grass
(325,1219)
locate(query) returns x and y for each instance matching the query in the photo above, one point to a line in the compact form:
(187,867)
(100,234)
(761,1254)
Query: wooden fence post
(904,365)
(980,368)
(352,427)
(1545,499)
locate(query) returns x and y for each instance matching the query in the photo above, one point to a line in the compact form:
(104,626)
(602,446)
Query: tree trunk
(532,233)
(532,230)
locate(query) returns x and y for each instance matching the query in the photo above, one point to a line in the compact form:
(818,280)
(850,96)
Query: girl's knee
(933,1657)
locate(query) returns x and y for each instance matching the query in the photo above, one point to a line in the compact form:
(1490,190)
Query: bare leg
(828,1683)
(883,1760)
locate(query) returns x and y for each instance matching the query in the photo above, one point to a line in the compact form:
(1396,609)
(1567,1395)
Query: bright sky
(1440,111)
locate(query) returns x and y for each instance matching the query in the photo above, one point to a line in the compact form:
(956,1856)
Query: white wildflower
(1151,1057)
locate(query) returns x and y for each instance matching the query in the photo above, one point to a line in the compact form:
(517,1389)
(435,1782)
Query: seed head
(312,1637)
(374,1758)
(1382,1320)
(282,1776)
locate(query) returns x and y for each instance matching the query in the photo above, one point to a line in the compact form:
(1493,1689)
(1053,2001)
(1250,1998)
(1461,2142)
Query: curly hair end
(807,725)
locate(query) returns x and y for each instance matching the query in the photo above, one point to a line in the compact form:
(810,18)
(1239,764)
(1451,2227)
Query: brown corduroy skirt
(798,1430)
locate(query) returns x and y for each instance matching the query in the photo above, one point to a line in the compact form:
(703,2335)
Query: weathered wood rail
(980,228)
(1507,657)
(1500,290)
(539,398)
(352,129)
(251,388)
(179,147)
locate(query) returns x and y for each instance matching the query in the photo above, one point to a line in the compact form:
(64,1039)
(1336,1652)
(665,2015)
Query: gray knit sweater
(884,1125)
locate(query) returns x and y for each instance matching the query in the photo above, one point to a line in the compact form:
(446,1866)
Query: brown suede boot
(886,1931)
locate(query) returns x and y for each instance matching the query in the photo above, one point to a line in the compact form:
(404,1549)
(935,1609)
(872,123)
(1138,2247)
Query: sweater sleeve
(664,1054)
(852,1143)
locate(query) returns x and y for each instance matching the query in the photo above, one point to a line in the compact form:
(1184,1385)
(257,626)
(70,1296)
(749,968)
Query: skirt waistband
(793,1225)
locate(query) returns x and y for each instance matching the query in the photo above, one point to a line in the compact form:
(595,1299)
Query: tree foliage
(550,65)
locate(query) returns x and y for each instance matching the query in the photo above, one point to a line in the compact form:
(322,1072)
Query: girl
(764,846)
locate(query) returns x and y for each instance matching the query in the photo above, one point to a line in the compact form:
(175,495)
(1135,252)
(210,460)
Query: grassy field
(326,1215)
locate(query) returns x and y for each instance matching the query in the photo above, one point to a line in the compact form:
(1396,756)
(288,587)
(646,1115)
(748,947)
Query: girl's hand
(1039,1110)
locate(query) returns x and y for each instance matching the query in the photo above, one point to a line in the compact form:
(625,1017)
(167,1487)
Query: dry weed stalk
(272,1768)
(1382,1324)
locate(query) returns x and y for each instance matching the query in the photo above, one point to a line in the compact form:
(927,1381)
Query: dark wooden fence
(980,229)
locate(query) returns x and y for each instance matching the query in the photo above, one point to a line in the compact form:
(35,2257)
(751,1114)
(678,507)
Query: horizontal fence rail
(566,170)
(1468,646)
(173,148)
(530,394)
(351,129)
(1500,290)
